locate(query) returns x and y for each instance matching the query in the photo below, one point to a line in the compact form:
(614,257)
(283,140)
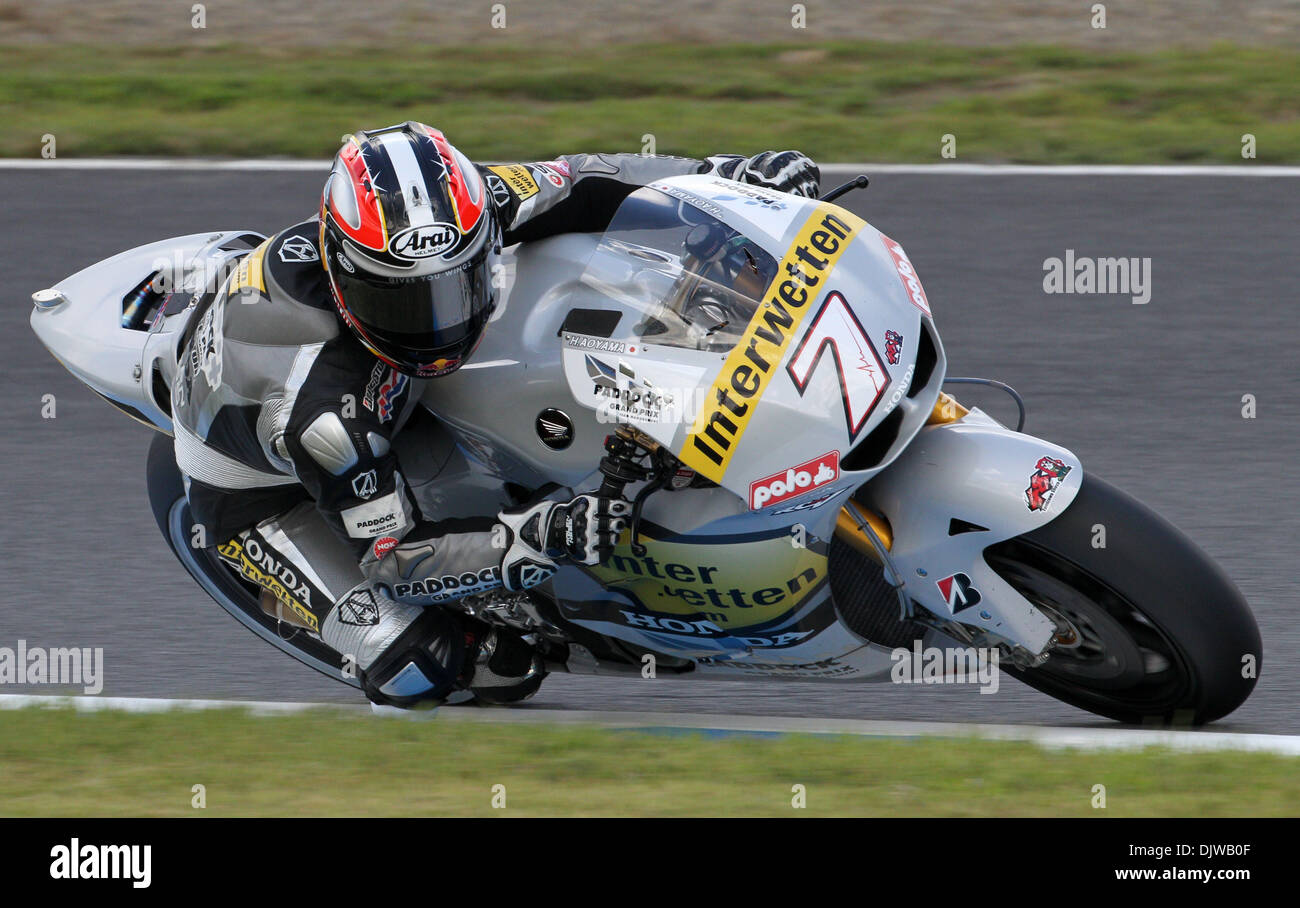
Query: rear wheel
(1150,630)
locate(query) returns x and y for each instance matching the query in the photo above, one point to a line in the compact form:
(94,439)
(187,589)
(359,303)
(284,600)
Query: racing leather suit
(284,424)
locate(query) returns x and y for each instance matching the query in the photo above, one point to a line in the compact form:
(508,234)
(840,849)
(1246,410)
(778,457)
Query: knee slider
(422,664)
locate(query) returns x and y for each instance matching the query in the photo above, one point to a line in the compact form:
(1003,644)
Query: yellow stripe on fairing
(799,284)
(249,272)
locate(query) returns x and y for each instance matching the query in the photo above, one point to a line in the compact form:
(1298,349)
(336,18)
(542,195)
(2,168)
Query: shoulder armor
(327,442)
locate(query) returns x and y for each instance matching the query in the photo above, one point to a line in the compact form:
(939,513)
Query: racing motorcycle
(761,376)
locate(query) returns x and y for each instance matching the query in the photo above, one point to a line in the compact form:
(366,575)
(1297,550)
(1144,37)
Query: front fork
(964,483)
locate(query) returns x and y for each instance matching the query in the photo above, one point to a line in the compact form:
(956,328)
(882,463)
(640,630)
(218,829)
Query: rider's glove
(784,171)
(583,530)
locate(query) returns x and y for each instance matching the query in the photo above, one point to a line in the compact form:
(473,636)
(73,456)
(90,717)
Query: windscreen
(693,281)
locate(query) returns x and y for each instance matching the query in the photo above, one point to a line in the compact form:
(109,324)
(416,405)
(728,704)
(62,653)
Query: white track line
(1070,170)
(1044,736)
(272,164)
(159,704)
(951,169)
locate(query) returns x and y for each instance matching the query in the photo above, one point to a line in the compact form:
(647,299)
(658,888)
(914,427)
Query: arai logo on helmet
(424,241)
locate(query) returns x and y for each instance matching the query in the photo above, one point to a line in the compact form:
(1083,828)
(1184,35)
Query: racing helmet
(408,240)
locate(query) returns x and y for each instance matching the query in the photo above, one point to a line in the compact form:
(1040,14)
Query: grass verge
(56,762)
(838,101)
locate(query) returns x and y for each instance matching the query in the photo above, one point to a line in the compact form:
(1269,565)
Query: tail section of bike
(118,325)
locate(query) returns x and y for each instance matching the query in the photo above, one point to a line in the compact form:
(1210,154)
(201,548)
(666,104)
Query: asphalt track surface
(1149,396)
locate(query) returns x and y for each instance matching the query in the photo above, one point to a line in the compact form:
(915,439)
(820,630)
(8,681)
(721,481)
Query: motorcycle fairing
(837,349)
(652,388)
(806,641)
(735,583)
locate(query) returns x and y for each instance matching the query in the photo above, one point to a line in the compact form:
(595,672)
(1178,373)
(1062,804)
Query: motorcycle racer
(297,375)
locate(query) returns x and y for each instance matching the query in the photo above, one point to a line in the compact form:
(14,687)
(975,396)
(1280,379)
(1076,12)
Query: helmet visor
(424,325)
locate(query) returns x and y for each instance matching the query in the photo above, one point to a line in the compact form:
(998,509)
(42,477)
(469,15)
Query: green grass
(55,762)
(839,102)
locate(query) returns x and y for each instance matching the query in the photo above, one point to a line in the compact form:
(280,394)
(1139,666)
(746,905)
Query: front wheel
(1150,629)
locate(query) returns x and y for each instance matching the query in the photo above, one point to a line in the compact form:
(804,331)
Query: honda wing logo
(554,428)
